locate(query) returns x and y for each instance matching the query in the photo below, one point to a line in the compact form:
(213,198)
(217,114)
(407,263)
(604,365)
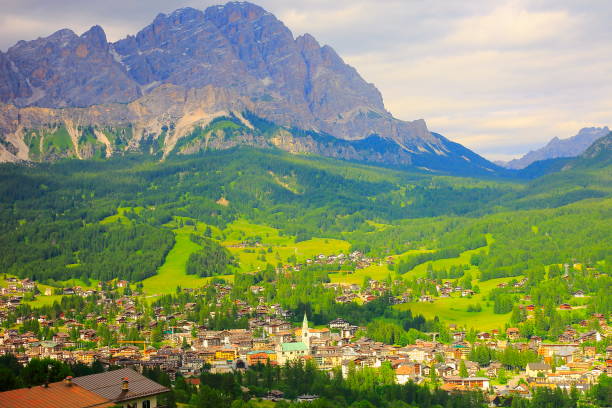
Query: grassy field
(120,216)
(282,246)
(420,270)
(454,308)
(172,273)
(42,300)
(376,272)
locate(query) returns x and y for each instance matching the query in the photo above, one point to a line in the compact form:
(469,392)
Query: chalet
(566,337)
(513,333)
(483,336)
(592,335)
(535,341)
(578,294)
(493,369)
(348,332)
(61,337)
(565,306)
(87,334)
(338,323)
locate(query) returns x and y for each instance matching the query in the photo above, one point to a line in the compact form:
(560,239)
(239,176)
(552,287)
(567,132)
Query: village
(184,347)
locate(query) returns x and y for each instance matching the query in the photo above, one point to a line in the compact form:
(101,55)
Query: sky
(502,77)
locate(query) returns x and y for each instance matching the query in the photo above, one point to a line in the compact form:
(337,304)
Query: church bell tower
(305,333)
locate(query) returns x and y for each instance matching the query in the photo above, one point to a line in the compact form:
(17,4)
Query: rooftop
(109,385)
(294,346)
(56,395)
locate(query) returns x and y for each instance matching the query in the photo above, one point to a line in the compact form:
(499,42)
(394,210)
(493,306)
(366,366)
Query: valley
(213,212)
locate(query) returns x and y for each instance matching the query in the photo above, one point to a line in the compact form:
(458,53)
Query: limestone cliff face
(149,91)
(65,70)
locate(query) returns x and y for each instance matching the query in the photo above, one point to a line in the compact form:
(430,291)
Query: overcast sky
(499,76)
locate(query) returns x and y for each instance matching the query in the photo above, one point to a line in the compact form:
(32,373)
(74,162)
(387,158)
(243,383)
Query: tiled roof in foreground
(109,385)
(56,395)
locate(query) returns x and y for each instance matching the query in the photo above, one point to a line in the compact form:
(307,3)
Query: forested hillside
(56,218)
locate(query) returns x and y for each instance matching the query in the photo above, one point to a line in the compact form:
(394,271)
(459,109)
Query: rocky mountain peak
(234,11)
(559,148)
(307,42)
(190,66)
(96,37)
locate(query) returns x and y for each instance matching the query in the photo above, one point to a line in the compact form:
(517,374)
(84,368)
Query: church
(295,350)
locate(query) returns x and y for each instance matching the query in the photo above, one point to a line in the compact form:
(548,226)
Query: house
(466,383)
(483,336)
(565,306)
(407,372)
(535,369)
(124,387)
(513,333)
(578,294)
(306,398)
(261,357)
(57,394)
(592,335)
(339,323)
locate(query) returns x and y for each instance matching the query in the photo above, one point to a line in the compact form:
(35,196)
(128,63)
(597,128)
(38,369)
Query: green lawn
(376,272)
(454,309)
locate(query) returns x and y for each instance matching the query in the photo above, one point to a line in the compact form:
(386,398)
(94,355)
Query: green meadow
(454,309)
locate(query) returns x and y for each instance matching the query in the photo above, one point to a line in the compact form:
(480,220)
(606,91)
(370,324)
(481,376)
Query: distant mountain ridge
(559,148)
(80,96)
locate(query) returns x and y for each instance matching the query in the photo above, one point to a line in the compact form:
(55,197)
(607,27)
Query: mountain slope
(189,68)
(559,148)
(597,156)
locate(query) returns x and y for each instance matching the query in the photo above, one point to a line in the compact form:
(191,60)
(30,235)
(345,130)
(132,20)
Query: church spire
(305,334)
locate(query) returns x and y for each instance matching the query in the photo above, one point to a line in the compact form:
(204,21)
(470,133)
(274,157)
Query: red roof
(56,395)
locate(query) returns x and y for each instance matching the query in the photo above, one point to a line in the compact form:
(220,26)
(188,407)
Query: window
(146,404)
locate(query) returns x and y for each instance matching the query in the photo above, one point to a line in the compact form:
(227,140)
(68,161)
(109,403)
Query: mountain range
(559,148)
(229,75)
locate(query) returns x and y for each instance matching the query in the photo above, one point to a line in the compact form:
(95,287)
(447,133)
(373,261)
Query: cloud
(511,24)
(500,76)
